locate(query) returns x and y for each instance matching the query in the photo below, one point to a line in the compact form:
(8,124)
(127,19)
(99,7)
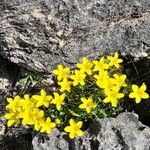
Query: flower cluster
(91,91)
(27,111)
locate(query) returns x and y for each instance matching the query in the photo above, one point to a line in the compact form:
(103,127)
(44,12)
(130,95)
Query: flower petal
(72,135)
(106,100)
(132,95)
(72,122)
(145,95)
(134,87)
(79,133)
(79,124)
(138,100)
(10,123)
(67,129)
(143,87)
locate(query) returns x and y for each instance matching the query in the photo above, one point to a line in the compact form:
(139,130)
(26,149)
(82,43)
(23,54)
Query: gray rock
(40,34)
(124,132)
(15,138)
(2,128)
(5,81)
(9,73)
(55,141)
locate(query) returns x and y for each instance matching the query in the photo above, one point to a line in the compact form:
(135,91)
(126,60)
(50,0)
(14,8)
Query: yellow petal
(48,119)
(67,69)
(82,106)
(134,88)
(36,97)
(106,100)
(10,123)
(143,87)
(7,116)
(79,65)
(120,60)
(72,122)
(52,125)
(114,103)
(79,133)
(132,95)
(37,127)
(67,129)
(82,83)
(60,67)
(117,65)
(43,93)
(9,100)
(145,95)
(56,72)
(58,106)
(46,104)
(120,95)
(42,129)
(138,100)
(79,124)
(48,131)
(123,77)
(88,110)
(115,76)
(72,135)
(116,55)
(83,99)
(48,98)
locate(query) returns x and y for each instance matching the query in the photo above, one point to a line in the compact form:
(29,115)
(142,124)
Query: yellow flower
(139,93)
(58,121)
(108,83)
(27,103)
(85,66)
(38,119)
(27,111)
(74,128)
(42,99)
(12,118)
(115,61)
(112,96)
(14,104)
(47,126)
(61,72)
(65,85)
(119,81)
(100,65)
(27,116)
(87,104)
(78,78)
(101,78)
(58,100)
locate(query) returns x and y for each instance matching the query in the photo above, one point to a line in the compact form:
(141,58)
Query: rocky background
(122,133)
(39,34)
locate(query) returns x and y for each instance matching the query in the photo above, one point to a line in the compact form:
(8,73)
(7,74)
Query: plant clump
(95,89)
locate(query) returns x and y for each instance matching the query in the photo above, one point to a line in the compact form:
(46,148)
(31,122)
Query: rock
(54,141)
(40,34)
(9,73)
(124,132)
(16,138)
(5,81)
(2,128)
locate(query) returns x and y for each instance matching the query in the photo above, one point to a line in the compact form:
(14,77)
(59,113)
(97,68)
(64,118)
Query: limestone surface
(124,132)
(40,34)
